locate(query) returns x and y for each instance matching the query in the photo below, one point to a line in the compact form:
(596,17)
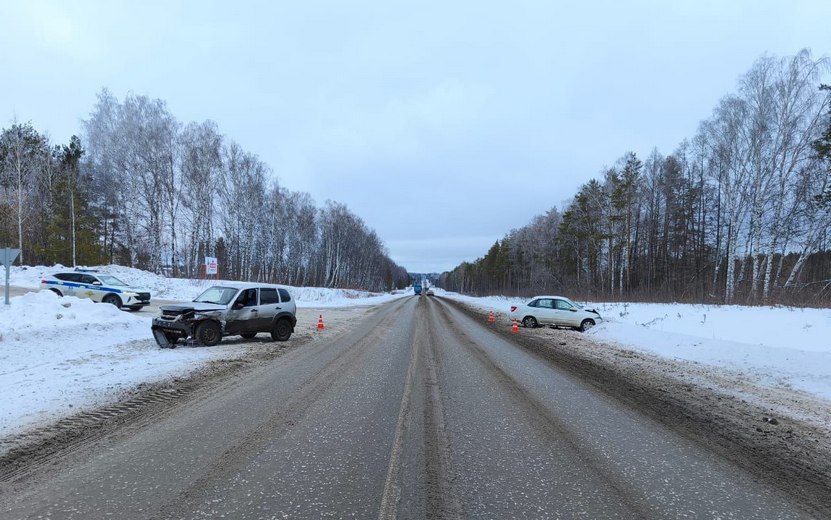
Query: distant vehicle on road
(558,311)
(417,288)
(430,292)
(230,309)
(99,287)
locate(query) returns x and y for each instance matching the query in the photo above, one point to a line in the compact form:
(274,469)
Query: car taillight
(513,308)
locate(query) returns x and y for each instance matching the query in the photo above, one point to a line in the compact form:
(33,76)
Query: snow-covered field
(781,347)
(62,355)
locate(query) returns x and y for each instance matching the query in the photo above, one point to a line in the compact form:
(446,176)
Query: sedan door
(566,314)
(545,311)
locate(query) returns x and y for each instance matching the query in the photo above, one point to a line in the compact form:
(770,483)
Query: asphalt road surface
(418,412)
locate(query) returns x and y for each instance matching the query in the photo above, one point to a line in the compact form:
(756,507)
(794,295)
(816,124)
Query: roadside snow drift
(61,355)
(183,289)
(782,347)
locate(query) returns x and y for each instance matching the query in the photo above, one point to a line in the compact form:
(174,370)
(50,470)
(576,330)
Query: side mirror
(96,282)
(238,305)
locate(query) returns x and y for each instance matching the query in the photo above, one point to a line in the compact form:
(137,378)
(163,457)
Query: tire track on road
(544,422)
(290,411)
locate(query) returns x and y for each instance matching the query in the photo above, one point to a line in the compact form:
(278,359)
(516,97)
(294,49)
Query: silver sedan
(558,311)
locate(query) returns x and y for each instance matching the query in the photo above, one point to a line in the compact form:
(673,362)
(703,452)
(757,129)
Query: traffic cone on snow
(515,328)
(320,325)
(490,317)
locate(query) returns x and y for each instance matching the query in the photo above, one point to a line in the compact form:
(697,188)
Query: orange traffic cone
(490,317)
(320,325)
(515,328)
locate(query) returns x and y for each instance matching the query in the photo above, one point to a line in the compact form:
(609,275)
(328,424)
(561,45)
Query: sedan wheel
(530,322)
(586,325)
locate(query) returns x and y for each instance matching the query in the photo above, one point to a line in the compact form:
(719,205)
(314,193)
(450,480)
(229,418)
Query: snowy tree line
(144,190)
(738,213)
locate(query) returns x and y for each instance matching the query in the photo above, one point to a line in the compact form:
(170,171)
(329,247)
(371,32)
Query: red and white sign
(210,265)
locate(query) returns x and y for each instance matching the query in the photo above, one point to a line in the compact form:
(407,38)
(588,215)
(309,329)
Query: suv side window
(88,279)
(268,296)
(284,295)
(68,277)
(248,298)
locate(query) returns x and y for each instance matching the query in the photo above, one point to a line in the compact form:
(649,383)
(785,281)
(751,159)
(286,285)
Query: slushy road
(417,412)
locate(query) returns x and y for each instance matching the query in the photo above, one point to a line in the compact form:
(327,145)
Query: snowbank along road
(418,411)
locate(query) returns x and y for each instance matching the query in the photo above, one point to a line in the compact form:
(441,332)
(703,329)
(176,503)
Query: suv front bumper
(162,329)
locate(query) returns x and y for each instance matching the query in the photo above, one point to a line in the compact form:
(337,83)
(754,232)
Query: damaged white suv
(230,309)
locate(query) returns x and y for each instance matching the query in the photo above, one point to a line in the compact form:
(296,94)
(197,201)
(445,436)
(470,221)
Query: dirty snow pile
(778,347)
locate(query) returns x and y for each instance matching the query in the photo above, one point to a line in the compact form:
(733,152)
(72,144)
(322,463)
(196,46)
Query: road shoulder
(781,437)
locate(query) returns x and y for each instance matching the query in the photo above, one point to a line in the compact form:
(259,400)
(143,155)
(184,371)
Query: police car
(100,287)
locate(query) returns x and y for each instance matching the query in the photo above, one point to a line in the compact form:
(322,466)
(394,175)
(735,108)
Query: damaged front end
(175,323)
(179,322)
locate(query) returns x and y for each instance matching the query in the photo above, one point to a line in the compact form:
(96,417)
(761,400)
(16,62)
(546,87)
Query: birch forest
(738,213)
(141,189)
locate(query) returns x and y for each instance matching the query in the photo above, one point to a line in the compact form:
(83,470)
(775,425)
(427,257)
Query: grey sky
(442,124)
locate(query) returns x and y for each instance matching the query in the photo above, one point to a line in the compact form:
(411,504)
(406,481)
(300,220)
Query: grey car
(229,309)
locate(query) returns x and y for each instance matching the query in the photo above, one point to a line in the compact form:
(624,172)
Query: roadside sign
(7,256)
(210,265)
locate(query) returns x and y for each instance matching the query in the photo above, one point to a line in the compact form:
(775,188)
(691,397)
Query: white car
(99,287)
(558,311)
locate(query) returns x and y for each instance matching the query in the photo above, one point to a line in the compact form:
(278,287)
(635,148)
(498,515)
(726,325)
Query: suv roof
(247,285)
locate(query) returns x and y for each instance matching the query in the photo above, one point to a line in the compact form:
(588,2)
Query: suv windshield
(110,280)
(219,295)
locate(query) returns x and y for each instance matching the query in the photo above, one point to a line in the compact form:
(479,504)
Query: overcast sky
(444,125)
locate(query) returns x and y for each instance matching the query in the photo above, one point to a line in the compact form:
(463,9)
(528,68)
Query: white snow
(183,289)
(782,347)
(59,356)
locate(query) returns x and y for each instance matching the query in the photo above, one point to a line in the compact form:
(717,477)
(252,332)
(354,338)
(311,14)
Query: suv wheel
(208,333)
(113,300)
(281,330)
